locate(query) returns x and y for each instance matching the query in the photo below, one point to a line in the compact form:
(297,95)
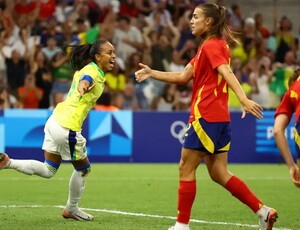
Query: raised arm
(180,78)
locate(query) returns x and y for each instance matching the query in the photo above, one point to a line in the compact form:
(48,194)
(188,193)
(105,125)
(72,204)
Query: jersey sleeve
(88,73)
(192,61)
(216,53)
(285,106)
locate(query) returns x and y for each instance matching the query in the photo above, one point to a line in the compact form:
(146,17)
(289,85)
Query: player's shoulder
(89,68)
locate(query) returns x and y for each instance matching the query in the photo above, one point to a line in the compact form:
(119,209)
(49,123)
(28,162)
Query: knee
(186,171)
(51,170)
(85,170)
(220,177)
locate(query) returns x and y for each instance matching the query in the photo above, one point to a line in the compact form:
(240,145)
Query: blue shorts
(297,139)
(211,137)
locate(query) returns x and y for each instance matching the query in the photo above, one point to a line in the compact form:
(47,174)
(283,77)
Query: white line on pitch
(139,214)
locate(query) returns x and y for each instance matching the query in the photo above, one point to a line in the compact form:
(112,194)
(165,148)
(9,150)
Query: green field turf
(144,197)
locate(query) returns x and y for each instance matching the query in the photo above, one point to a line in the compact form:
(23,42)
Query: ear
(209,21)
(97,57)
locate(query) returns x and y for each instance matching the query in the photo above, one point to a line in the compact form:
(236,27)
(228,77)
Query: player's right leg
(76,189)
(189,162)
(46,169)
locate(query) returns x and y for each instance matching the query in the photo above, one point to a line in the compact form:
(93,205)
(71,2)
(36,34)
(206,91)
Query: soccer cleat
(4,160)
(266,222)
(77,215)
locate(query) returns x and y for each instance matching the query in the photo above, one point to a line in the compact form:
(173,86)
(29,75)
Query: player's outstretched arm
(169,77)
(280,124)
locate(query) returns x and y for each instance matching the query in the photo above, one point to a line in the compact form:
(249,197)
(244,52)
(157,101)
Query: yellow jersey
(72,112)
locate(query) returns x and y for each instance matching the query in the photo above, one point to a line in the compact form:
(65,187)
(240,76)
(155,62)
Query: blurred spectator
(69,38)
(236,17)
(39,67)
(61,73)
(63,10)
(234,104)
(245,51)
(51,49)
(127,39)
(249,29)
(57,98)
(281,73)
(16,67)
(145,6)
(132,67)
(52,30)
(7,101)
(107,6)
(104,103)
(130,100)
(184,98)
(260,27)
(283,34)
(168,101)
(180,58)
(81,10)
(262,77)
(129,8)
(26,9)
(161,12)
(184,29)
(29,94)
(46,8)
(6,20)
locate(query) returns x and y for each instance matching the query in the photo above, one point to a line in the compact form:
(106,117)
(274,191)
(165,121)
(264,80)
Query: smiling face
(106,57)
(199,23)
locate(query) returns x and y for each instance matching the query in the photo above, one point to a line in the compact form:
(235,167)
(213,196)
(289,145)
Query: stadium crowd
(35,35)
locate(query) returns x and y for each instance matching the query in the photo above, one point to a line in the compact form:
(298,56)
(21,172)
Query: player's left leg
(218,171)
(46,169)
(76,189)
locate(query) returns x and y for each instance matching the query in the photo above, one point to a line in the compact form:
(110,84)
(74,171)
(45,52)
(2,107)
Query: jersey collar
(95,65)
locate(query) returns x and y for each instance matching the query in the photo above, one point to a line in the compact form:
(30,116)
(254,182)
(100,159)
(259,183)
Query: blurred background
(35,74)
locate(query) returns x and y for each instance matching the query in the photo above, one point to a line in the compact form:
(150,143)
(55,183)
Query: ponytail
(82,54)
(79,56)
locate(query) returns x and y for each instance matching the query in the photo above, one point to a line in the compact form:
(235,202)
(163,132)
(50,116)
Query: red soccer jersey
(210,90)
(290,102)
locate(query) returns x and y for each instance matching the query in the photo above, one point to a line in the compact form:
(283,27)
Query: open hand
(143,73)
(253,108)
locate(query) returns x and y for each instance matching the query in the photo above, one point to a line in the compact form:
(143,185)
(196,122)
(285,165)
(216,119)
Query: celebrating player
(208,134)
(288,106)
(63,139)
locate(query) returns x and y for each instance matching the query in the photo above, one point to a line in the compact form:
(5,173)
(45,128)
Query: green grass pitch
(144,197)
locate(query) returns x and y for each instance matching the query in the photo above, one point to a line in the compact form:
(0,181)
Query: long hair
(219,24)
(294,77)
(82,54)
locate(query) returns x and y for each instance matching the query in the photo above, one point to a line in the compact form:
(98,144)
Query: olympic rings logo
(177,130)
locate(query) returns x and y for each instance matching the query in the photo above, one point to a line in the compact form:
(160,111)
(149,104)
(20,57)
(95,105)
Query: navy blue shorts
(211,137)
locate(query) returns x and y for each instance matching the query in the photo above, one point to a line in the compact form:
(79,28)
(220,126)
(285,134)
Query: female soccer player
(289,105)
(63,139)
(208,134)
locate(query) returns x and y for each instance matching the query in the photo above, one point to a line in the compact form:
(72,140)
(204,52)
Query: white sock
(181,226)
(76,189)
(262,211)
(31,167)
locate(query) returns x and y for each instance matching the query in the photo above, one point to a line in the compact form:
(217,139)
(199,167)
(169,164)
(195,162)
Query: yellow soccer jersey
(72,112)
